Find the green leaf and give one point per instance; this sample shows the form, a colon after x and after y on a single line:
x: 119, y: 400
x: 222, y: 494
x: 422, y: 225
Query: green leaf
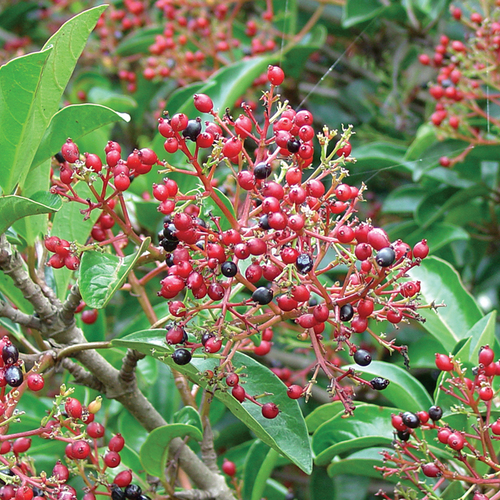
x: 403, y: 199
x: 14, y: 207
x: 154, y: 452
x: 287, y: 433
x: 189, y: 416
x: 111, y: 99
x: 356, y: 12
x: 371, y: 426
x: 438, y: 235
x: 22, y: 123
x: 481, y: 334
x: 101, y: 275
x: 74, y: 121
x: 258, y: 467
x: 362, y: 463
x: 377, y: 155
x: 404, y: 391
x: 323, y: 413
x: 441, y: 283
x: 31, y: 88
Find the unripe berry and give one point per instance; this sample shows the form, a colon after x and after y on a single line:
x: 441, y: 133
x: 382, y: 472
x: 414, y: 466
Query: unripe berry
x: 229, y: 468
x: 275, y: 75
x: 116, y: 443
x: 270, y: 410
x: 443, y: 362
x: 203, y: 103
x: 70, y: 151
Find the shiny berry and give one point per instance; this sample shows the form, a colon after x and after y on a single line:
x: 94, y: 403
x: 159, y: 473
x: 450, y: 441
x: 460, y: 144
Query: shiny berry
x: 203, y: 103
x: 443, y: 362
x: 346, y: 312
x: 456, y: 441
x: 35, y: 382
x: 123, y: 478
x: 304, y: 263
x: 133, y: 491
x: 379, y: 383
x: 239, y: 393
x: 116, y: 443
x: 270, y: 410
x: 263, y: 295
x: 410, y: 419
x: 112, y: 459
x: 13, y: 376
x: 385, y: 257
x: 229, y: 269
x: 229, y: 468
x: 435, y: 413
x: 181, y: 356
x: 486, y: 355
x: 362, y: 357
x: 294, y: 391
x: 431, y: 470
x: 275, y: 75
x: 262, y: 170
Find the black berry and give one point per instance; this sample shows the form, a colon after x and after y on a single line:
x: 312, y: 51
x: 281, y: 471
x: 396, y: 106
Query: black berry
x: 14, y: 376
x: 169, y: 232
x: 117, y: 493
x: 264, y: 222
x: 410, y: 419
x: 362, y: 357
x: 10, y: 354
x: 169, y: 246
x: 206, y: 336
x: 304, y: 263
x: 379, y: 383
x: 262, y: 295
x: 293, y: 145
x: 181, y: 356
x: 262, y: 170
x: 403, y: 435
x: 133, y: 491
x: 229, y: 269
x: 169, y: 260
x: 346, y: 312
x: 385, y: 257
x: 193, y: 129
x: 435, y: 412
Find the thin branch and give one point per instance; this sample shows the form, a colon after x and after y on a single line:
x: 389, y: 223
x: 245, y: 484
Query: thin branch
x: 16, y: 316
x: 82, y: 376
x: 129, y: 363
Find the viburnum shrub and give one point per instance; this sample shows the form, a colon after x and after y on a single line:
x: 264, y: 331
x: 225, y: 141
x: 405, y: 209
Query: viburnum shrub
x: 251, y: 254
x: 456, y: 443
x: 467, y: 81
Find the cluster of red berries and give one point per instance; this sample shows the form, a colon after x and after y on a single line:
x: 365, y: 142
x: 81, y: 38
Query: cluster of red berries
x: 287, y: 221
x: 76, y: 426
x: 281, y: 226
x: 473, y: 395
x: 461, y: 82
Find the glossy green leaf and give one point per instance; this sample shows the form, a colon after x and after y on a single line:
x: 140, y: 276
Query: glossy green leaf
x: 31, y: 89
x: 481, y: 334
x: 287, y: 433
x: 371, y: 426
x: 403, y: 199
x: 22, y: 122
x: 74, y: 121
x: 111, y: 99
x: 438, y: 235
x: 404, y: 391
x: 258, y: 467
x: 154, y: 452
x: 14, y: 207
x: 189, y: 416
x: 356, y: 12
x: 361, y: 463
x: 323, y: 413
x: 101, y: 275
x: 377, y: 155
x: 441, y: 283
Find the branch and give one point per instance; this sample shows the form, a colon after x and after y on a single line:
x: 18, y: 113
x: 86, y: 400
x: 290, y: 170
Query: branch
x: 129, y: 363
x: 16, y: 316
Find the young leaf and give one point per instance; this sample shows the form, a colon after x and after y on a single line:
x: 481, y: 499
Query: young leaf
x: 441, y: 283
x: 482, y: 333
x: 154, y: 452
x: 287, y: 433
x: 14, y: 207
x: 101, y: 275
x: 189, y: 416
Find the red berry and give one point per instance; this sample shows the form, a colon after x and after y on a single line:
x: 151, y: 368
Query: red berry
x: 456, y: 441
x: 123, y: 479
x: 365, y: 307
x: 229, y: 468
x: 232, y: 147
x: 122, y: 182
x: 397, y: 423
x: 486, y: 393
x: 294, y: 392
x: 486, y: 355
x: 112, y: 459
x: 93, y: 162
x: 89, y: 316
x: 95, y: 430
x: 213, y: 345
x: 263, y: 348
x: 394, y: 316
x: 24, y: 493
x: 61, y: 471
x: 179, y: 122
x: 232, y: 379
x: 275, y: 75
x: 431, y: 470
x: 203, y: 103
x: 239, y: 393
x: 80, y: 449
x: 73, y: 408
x: 35, y: 382
x: 21, y: 445
x: 378, y: 238
x: 70, y: 151
x: 270, y: 410
x: 443, y: 362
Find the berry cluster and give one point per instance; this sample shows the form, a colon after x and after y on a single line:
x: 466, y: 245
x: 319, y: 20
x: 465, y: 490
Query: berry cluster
x: 260, y: 251
x: 70, y: 422
x: 465, y: 83
x: 469, y: 447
